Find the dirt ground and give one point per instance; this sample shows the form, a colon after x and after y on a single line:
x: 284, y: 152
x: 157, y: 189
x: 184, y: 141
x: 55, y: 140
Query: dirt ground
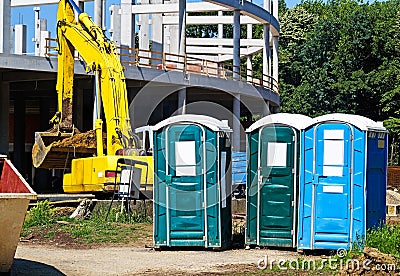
x: 126, y: 260
x: 63, y: 255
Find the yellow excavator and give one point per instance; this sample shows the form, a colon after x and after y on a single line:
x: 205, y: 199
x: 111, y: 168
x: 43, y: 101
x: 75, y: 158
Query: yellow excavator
x: 92, y: 156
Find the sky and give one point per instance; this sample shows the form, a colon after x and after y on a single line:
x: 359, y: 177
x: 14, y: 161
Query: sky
x: 26, y: 15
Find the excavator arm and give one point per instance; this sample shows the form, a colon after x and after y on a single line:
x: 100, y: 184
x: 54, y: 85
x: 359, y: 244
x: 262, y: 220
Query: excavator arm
x: 91, y: 169
x: 65, y: 73
x: 102, y: 60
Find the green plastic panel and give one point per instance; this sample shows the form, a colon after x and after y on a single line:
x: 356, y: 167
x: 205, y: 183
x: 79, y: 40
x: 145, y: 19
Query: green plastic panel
x: 188, y: 207
x: 275, y: 213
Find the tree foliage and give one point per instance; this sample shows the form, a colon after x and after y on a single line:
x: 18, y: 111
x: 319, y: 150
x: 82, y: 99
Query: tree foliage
x: 335, y: 56
x: 342, y: 56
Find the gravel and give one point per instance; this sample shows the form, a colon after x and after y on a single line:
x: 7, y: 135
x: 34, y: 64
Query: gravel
x: 47, y: 260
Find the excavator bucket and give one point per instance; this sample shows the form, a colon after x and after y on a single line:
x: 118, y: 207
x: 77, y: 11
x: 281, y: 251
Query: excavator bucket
x: 55, y: 150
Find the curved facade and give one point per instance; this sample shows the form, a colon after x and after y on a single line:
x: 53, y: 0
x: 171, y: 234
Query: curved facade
x: 167, y: 72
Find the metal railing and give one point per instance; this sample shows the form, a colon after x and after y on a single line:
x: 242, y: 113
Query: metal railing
x: 184, y: 63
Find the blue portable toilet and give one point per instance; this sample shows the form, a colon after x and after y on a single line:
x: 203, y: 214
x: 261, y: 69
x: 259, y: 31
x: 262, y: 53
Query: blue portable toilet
x: 273, y: 157
x: 239, y: 173
x: 192, y: 182
x: 343, y: 181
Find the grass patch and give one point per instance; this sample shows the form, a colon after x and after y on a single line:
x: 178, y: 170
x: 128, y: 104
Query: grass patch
x: 386, y: 239
x: 93, y: 232
x: 115, y: 215
x: 43, y: 223
x: 40, y: 215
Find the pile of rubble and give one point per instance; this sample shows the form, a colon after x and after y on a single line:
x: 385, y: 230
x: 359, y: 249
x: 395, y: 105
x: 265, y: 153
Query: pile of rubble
x: 372, y: 262
x: 392, y: 197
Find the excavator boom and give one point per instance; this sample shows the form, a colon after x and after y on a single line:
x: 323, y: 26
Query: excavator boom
x: 101, y: 58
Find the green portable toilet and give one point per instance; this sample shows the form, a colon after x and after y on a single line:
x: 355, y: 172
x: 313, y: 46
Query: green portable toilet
x: 273, y: 154
x: 192, y: 182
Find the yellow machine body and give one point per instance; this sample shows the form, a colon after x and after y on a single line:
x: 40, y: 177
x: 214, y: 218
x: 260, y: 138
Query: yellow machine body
x: 89, y: 174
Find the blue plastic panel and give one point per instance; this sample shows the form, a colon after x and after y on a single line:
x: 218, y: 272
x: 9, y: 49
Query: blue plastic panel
x: 376, y: 178
x: 332, y: 187
x: 239, y: 173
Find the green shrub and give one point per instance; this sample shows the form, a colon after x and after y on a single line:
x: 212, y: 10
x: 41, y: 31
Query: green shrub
x: 386, y: 239
x: 116, y: 215
x: 40, y: 215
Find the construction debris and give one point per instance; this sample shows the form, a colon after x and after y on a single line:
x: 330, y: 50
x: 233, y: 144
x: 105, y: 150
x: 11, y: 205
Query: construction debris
x: 83, y: 210
x: 392, y: 197
x: 372, y: 262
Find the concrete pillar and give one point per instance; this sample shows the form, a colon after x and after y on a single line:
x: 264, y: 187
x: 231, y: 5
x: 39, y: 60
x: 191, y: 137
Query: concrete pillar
x: 19, y: 134
x: 4, y: 117
x: 20, y: 39
x: 43, y: 36
x: 182, y: 101
x: 36, y: 39
x: 236, y: 123
x: 171, y: 33
x: 236, y: 44
x: 266, y: 49
x: 249, y: 72
x: 220, y: 35
x: 182, y: 27
x: 220, y: 27
x: 267, y: 5
x: 97, y: 6
x: 127, y: 24
x: 171, y: 39
x: 275, y: 74
x: 266, y: 55
x: 5, y: 31
x: 11, y: 41
x: 275, y: 8
x: 115, y: 24
x: 103, y: 15
x: 144, y: 35
x: 157, y: 34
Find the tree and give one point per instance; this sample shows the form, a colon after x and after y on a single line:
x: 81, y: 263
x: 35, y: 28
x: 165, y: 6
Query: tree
x: 295, y: 24
x: 342, y: 56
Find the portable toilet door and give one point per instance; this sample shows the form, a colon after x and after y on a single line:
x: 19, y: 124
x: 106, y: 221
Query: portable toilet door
x: 377, y: 161
x: 273, y: 161
x: 333, y: 187
x: 191, y: 184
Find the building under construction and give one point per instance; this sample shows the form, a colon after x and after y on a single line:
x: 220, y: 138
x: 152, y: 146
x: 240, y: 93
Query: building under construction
x: 167, y: 72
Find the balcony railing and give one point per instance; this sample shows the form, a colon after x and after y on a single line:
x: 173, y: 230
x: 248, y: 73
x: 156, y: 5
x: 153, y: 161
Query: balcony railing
x: 185, y: 64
